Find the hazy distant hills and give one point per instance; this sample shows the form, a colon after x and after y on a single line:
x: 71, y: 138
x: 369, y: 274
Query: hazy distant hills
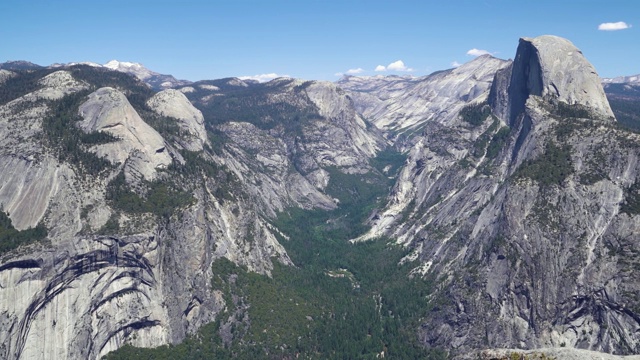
x: 155, y: 80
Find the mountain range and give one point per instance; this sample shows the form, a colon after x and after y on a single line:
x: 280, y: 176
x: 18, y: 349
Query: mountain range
x: 491, y: 206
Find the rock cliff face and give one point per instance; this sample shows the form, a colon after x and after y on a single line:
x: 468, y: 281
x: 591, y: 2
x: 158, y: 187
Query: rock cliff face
x: 108, y: 110
x: 520, y: 196
x: 82, y: 294
x: 129, y: 246
x: 553, y: 68
x: 174, y: 104
x: 529, y: 225
x: 306, y: 125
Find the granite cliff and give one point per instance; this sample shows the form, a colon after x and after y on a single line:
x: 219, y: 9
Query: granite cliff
x: 511, y: 220
x: 530, y: 225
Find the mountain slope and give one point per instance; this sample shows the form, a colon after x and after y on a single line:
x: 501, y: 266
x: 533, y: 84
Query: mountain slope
x: 156, y: 80
x: 137, y: 200
x: 405, y: 105
x: 216, y: 216
x: 531, y: 226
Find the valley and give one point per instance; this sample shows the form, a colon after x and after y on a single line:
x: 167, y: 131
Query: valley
x: 490, y: 206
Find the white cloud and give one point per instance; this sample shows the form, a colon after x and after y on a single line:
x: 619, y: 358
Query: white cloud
x: 262, y: 77
x: 612, y: 26
x: 455, y: 64
x: 398, y: 66
x: 355, y: 71
x: 477, y: 52
x: 380, y: 68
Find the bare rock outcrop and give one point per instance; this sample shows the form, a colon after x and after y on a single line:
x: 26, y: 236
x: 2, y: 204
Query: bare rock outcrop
x: 108, y: 110
x: 173, y: 103
x: 403, y: 105
x: 552, y: 67
x: 526, y: 221
x: 4, y: 75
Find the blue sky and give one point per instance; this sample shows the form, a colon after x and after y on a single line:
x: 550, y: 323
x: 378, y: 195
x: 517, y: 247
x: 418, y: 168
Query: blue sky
x: 310, y: 39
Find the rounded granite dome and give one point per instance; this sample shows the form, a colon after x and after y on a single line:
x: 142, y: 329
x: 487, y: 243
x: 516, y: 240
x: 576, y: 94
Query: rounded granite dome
x: 555, y: 67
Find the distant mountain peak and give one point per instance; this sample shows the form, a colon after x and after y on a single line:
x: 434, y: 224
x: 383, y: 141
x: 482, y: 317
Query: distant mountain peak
x: 115, y: 63
x: 633, y: 79
x: 19, y: 65
x: 132, y: 68
x: 155, y: 80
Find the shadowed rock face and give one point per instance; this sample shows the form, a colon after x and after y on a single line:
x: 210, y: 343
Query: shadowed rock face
x: 89, y: 288
x: 525, y: 257
x: 550, y: 66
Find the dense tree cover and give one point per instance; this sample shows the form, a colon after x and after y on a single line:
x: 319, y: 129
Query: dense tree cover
x: 136, y: 91
x: 627, y: 112
x: 389, y: 157
x: 565, y: 110
x: 68, y: 141
x: 10, y: 238
x: 550, y: 168
x: 340, y: 301
x: 224, y: 182
x: 161, y: 198
x: 475, y: 114
x: 628, y: 91
x: 23, y: 83
x: 631, y: 204
x: 491, y: 141
x: 263, y: 105
x: 19, y: 65
x: 498, y: 140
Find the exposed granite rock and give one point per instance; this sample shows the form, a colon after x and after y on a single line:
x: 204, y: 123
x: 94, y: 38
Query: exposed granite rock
x: 58, y: 84
x: 79, y: 294
x: 403, y: 105
x: 521, y: 261
x: 174, y: 104
x: 526, y: 258
x: 108, y: 110
x: 550, y: 66
x: 263, y: 161
x: 341, y: 138
x: 4, y: 75
x: 545, y: 353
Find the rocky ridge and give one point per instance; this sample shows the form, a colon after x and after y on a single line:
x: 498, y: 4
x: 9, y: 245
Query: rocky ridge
x: 633, y: 79
x: 531, y: 212
x: 129, y: 246
x: 405, y: 105
x: 156, y: 80
x: 519, y: 198
x: 174, y: 104
x: 108, y: 110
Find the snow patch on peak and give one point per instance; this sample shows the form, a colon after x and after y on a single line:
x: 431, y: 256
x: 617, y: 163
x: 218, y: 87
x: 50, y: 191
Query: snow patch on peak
x: 207, y: 87
x: 633, y: 79
x: 156, y: 80
x: 132, y: 68
x: 116, y: 65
